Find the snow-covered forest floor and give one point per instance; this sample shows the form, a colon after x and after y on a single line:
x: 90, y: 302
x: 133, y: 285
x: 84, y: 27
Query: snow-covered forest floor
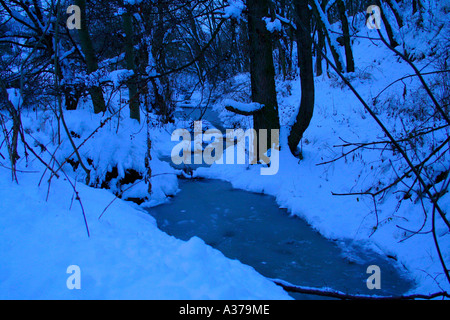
x: 43, y: 230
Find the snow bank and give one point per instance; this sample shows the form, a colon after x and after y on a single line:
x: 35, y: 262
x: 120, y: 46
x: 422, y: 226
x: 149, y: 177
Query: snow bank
x: 117, y: 147
x: 43, y: 231
x: 127, y: 256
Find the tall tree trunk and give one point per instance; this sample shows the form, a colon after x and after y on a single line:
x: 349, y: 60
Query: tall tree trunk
x: 347, y: 41
x: 262, y: 70
x: 162, y: 92
x: 304, y: 42
x: 319, y: 48
x: 91, y: 60
x: 135, y: 112
x: 323, y: 22
x: 320, y: 45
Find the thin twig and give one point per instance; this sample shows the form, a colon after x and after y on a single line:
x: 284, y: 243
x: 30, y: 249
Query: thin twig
x: 406, y: 77
x: 419, y: 75
x: 393, y: 140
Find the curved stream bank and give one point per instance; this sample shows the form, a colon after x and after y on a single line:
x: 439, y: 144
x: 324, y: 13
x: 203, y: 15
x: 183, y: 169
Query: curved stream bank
x: 251, y: 228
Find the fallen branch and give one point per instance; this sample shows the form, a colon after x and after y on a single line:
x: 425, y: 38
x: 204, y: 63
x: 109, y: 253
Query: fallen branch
x: 331, y: 293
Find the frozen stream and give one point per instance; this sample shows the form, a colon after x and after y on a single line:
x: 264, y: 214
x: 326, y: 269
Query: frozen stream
x: 251, y: 228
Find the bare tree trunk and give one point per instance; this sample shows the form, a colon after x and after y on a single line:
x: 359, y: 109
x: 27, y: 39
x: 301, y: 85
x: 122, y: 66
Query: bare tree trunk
x: 319, y: 48
x: 320, y: 45
x: 135, y: 112
x: 91, y: 60
x: 323, y: 22
x: 11, y: 143
x: 162, y: 102
x: 347, y: 41
x: 304, y: 43
x: 262, y: 69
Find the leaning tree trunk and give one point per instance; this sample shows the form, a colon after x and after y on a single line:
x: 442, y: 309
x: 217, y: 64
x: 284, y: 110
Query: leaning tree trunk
x: 387, y: 25
x: 304, y: 42
x: 262, y: 71
x: 135, y: 112
x: 393, y: 5
x: 323, y: 23
x: 91, y: 60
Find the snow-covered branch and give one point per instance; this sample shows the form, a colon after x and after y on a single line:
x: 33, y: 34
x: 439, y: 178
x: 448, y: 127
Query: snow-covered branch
x: 331, y: 293
x: 245, y: 109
